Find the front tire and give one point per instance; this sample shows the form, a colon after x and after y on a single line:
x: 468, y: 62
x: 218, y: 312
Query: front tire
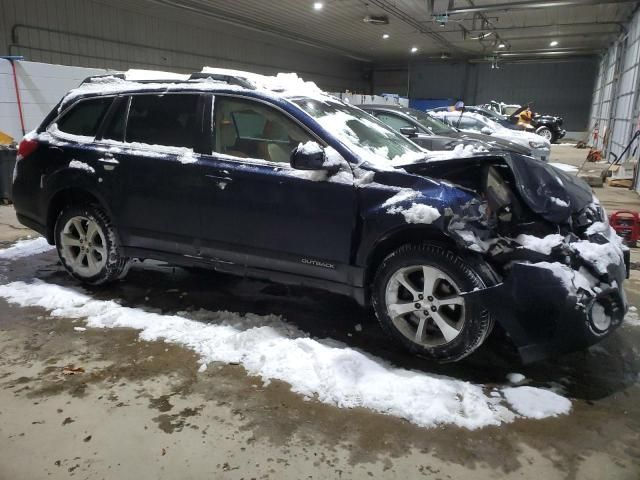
x: 418, y: 302
x: 87, y: 245
x: 546, y: 132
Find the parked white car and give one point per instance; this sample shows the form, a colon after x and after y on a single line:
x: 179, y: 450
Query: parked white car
x: 473, y: 122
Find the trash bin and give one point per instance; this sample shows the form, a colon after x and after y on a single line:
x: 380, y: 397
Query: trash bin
x: 7, y: 162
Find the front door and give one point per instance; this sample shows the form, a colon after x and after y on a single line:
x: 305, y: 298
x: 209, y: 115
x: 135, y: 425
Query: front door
x: 260, y: 211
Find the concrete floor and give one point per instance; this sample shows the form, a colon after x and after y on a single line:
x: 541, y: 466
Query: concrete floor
x: 142, y: 410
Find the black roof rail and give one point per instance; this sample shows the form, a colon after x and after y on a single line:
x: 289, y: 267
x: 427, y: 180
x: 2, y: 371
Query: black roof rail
x: 230, y: 79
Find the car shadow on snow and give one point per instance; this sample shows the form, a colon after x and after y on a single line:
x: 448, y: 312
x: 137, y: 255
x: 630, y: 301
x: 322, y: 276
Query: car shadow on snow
x: 598, y: 372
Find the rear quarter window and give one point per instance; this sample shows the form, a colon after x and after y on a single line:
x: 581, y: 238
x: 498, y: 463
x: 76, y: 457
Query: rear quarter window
x: 172, y: 119
x: 85, y: 117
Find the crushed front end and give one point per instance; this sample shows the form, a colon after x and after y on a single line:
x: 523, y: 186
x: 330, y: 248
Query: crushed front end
x: 561, y: 267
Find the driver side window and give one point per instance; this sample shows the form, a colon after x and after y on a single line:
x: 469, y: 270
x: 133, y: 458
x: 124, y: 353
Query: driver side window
x: 393, y: 121
x: 249, y: 129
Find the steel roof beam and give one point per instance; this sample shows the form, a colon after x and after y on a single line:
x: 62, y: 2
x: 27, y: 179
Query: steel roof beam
x: 527, y: 5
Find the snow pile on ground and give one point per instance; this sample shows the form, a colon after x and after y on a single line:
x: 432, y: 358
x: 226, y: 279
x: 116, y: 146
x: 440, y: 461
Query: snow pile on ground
x: 25, y: 248
x: 516, y: 377
x: 272, y: 349
x: 631, y: 318
x: 564, y: 167
x: 536, y: 403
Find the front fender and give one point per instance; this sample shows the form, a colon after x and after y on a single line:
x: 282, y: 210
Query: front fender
x: 426, y: 212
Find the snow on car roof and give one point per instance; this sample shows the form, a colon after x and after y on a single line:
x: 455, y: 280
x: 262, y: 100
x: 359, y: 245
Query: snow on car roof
x: 282, y: 84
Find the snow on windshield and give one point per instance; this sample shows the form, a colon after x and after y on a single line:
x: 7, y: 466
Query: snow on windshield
x: 362, y: 133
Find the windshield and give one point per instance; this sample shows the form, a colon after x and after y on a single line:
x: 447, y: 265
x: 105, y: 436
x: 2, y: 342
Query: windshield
x: 362, y: 133
x: 491, y: 114
x: 437, y: 127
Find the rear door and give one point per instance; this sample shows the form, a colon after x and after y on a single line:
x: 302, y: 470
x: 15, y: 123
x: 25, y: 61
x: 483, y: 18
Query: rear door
x: 258, y: 210
x: 68, y: 151
x: 151, y: 147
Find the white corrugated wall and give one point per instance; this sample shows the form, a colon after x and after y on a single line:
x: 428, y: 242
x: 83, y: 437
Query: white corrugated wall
x: 615, y: 110
x: 120, y: 34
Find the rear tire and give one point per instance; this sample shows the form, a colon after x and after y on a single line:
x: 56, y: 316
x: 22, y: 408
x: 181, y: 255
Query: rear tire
x: 87, y: 245
x: 416, y: 297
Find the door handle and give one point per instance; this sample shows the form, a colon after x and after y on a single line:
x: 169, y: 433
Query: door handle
x: 219, y: 178
x: 108, y: 162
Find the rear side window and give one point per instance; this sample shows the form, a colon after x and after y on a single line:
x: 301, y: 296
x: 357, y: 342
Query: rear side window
x: 85, y: 117
x: 171, y: 120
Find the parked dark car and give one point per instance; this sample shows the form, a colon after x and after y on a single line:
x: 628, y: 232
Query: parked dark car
x: 271, y: 178
x: 434, y: 134
x: 548, y: 126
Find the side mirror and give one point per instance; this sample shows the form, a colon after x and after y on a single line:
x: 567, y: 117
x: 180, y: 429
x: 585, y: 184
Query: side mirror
x: 409, y: 131
x: 486, y: 131
x: 310, y: 156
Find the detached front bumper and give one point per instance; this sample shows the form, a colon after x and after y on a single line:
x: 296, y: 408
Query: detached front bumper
x: 544, y: 316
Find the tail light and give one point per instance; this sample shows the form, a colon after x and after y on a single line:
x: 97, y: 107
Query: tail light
x: 26, y: 148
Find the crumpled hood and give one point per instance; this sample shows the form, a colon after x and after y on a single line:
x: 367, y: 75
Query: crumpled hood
x: 553, y: 194
x: 547, y: 191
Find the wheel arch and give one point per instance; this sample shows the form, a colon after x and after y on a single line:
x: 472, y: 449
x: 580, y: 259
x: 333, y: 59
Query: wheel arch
x: 394, y: 240
x: 65, y: 197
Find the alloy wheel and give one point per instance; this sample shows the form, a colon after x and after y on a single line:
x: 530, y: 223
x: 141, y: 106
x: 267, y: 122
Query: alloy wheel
x: 546, y: 133
x: 425, y: 305
x: 84, y: 246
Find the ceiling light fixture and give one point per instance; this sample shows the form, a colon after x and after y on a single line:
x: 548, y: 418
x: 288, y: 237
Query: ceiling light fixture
x: 414, y: 49
x: 385, y: 35
x: 554, y: 43
x: 318, y: 5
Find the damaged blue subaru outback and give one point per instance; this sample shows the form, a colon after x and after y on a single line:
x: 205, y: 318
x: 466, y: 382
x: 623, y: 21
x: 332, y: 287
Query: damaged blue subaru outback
x: 269, y: 177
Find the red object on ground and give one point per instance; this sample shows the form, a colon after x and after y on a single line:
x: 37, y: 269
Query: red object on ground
x: 626, y: 223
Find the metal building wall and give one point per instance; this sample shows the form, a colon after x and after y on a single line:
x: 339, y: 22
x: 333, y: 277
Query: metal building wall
x: 143, y: 34
x: 615, y: 110
x: 555, y: 87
